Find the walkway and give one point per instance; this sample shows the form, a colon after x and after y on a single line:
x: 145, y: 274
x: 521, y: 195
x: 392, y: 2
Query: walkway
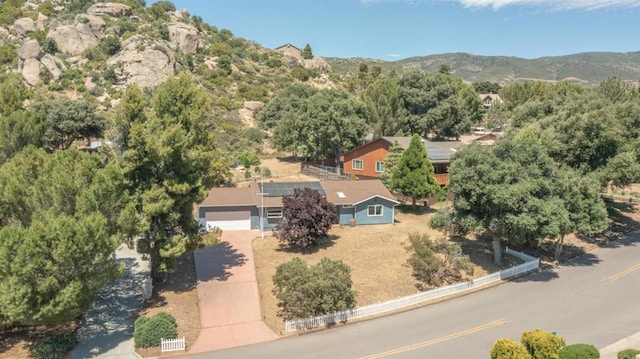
x: 611, y: 351
x: 106, y: 330
x: 228, y: 295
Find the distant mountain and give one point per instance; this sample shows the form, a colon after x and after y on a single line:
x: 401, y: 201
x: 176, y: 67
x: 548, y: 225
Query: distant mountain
x: 588, y: 67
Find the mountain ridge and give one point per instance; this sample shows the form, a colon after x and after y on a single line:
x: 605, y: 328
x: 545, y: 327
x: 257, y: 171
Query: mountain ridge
x: 585, y: 67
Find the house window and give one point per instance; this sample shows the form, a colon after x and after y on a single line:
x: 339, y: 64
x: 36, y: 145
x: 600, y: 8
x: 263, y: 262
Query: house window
x: 347, y: 206
x: 357, y: 164
x: 374, y: 211
x: 274, y: 213
x: 379, y: 166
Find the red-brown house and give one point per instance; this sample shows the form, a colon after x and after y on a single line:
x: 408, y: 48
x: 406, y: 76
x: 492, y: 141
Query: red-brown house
x: 368, y: 159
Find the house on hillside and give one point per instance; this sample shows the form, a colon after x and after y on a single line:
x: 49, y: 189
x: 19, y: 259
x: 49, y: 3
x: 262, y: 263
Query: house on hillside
x: 489, y: 99
x: 367, y: 161
x: 289, y: 50
x: 260, y: 205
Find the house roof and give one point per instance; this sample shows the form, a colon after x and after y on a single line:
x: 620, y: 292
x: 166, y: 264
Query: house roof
x: 494, y: 97
x: 229, y: 196
x: 437, y: 151
x: 336, y: 192
x: 285, y: 45
x: 354, y: 192
x: 279, y: 189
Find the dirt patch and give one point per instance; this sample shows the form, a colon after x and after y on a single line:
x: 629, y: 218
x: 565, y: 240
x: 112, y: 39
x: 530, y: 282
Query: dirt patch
x: 376, y: 255
x: 285, y: 169
x: 177, y: 295
x: 17, y: 343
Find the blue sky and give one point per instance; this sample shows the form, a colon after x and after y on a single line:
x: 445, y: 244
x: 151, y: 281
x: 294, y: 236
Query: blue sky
x: 397, y: 29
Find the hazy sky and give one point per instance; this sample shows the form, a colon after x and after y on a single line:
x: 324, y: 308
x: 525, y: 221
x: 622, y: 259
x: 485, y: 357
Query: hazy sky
x: 396, y: 29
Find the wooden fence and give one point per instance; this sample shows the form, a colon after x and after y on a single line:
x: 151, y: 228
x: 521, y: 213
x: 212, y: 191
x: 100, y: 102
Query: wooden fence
x: 531, y: 264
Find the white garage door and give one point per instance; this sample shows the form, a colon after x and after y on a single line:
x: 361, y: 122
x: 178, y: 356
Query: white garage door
x: 228, y: 220
x: 230, y: 225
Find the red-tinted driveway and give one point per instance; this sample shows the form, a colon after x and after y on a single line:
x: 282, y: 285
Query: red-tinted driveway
x: 228, y: 295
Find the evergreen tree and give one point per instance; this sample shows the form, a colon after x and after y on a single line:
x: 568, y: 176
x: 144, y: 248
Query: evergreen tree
x: 307, y: 53
x: 413, y: 176
x: 60, y: 220
x: 169, y: 164
x: 392, y: 159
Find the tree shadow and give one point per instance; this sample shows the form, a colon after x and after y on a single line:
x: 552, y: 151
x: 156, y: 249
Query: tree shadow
x: 322, y: 244
x: 545, y: 275
x: 182, y: 279
x: 214, y: 262
x: 109, y: 322
x: 480, y: 253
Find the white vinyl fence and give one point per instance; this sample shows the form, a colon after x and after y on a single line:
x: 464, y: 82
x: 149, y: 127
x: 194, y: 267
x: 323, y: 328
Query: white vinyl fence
x: 172, y: 345
x: 531, y: 264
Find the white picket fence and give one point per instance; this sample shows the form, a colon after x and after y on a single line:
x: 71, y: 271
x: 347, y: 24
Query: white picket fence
x: 531, y: 264
x: 172, y: 345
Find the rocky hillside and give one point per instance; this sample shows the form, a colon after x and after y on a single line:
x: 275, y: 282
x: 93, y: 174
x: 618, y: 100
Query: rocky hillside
x: 94, y: 50
x: 588, y: 67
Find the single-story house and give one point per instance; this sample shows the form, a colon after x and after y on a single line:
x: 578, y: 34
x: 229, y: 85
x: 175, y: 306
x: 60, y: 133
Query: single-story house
x: 289, y: 50
x: 367, y: 161
x: 355, y: 202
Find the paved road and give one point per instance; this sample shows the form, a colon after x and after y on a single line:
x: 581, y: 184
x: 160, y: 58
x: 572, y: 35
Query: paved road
x: 595, y: 300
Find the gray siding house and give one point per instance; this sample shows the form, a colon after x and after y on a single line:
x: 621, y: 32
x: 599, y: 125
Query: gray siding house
x: 356, y: 203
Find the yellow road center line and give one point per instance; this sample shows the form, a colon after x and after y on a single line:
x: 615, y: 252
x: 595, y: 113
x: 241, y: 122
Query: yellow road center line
x: 623, y: 273
x: 435, y: 341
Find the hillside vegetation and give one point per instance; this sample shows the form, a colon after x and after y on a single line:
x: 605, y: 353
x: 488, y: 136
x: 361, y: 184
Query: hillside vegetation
x: 116, y: 118
x: 589, y: 67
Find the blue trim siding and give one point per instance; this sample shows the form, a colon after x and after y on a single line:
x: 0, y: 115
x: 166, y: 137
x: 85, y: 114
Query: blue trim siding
x: 255, y: 218
x: 361, y: 210
x: 345, y: 214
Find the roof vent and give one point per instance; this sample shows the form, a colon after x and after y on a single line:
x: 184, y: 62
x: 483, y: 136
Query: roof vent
x: 341, y: 195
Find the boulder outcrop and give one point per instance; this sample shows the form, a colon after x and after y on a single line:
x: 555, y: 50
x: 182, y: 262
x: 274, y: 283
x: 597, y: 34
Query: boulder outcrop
x: 74, y: 39
x: 29, y: 50
x: 110, y: 9
x: 142, y: 62
x: 24, y: 25
x: 185, y: 38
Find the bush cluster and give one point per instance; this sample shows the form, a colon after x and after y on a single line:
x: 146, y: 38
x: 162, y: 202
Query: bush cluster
x: 628, y: 354
x: 305, y: 291
x: 55, y: 347
x: 579, y: 351
x: 150, y: 330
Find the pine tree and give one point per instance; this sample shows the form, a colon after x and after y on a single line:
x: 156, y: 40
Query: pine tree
x: 392, y: 159
x: 307, y: 53
x: 413, y: 176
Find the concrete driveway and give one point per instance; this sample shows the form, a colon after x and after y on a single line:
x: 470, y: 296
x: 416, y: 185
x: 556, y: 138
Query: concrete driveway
x: 228, y: 295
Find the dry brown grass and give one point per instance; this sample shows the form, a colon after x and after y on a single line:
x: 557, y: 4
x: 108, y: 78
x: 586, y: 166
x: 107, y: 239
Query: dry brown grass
x: 177, y: 295
x: 376, y: 255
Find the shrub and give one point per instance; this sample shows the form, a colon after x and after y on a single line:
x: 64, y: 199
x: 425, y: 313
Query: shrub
x: 49, y: 46
x: 436, y: 262
x: 8, y: 54
x: 579, y: 351
x: 304, y: 291
x: 255, y: 134
x: 628, y: 354
x: 542, y: 345
x: 150, y: 330
x: 55, y: 347
x: 110, y: 45
x: 508, y: 349
x: 266, y: 172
